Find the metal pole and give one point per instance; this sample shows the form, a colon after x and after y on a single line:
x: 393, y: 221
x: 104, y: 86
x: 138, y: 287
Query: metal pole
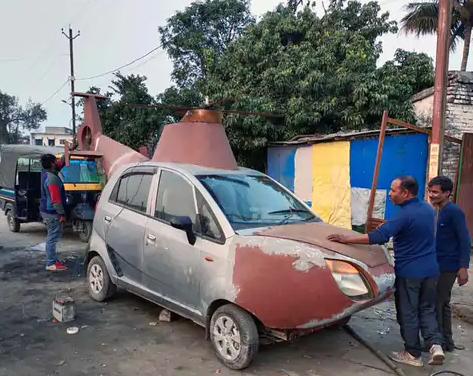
x: 71, y: 38
x: 374, y: 185
x: 439, y: 105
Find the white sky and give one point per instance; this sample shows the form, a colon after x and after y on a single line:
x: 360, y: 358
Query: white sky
x: 34, y: 59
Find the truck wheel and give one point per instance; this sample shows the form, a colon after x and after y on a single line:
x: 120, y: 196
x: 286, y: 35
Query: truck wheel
x: 234, y: 336
x: 13, y: 224
x: 86, y: 231
x: 100, y: 285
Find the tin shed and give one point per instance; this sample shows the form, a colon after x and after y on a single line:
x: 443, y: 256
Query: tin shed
x: 333, y: 173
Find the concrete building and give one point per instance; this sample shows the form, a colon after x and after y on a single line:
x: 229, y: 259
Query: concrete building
x: 459, y: 115
x: 52, y: 136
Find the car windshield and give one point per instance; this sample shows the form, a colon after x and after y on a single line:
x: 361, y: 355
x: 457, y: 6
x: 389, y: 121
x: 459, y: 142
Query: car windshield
x: 250, y: 201
x: 80, y: 171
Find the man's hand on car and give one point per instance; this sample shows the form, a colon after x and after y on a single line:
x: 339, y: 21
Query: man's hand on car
x: 338, y: 238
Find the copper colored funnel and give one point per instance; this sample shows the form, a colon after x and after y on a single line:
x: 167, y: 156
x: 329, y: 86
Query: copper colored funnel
x: 90, y: 137
x: 199, y: 139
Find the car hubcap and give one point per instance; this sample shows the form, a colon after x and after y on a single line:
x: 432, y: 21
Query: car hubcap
x: 96, y: 278
x: 227, y: 337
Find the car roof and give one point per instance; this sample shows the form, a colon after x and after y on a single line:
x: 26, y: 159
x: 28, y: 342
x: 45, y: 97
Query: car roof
x: 197, y: 170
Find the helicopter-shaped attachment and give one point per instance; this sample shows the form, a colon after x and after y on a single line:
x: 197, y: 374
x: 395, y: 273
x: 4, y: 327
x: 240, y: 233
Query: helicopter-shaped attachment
x: 198, y: 139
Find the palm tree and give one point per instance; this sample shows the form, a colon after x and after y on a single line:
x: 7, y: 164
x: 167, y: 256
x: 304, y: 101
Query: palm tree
x: 422, y: 19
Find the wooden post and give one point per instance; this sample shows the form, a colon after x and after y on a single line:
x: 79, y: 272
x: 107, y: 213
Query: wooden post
x: 374, y: 185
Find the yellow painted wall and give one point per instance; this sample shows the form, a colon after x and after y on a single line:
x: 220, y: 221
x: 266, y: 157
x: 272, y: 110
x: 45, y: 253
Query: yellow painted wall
x: 331, y: 182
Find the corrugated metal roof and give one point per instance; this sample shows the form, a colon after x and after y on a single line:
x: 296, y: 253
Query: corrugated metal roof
x: 340, y: 136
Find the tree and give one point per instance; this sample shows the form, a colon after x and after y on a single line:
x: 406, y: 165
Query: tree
x: 319, y: 72
x: 14, y: 118
x: 422, y: 19
x: 138, y: 126
x: 195, y: 37
x: 132, y: 126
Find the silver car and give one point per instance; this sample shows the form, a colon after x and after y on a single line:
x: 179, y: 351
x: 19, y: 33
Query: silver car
x: 234, y: 251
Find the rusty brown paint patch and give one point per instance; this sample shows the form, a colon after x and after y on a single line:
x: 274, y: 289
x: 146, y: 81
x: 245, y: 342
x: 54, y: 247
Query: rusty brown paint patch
x: 316, y: 234
x: 281, y: 296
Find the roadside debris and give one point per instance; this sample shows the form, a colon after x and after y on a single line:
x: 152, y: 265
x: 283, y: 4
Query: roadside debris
x: 64, y: 309
x: 167, y: 316
x: 73, y: 330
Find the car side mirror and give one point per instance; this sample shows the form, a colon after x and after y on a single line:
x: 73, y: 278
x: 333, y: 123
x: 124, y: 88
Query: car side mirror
x: 185, y: 224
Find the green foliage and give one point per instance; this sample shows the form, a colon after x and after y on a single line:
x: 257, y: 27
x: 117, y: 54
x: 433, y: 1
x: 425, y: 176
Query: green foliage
x: 132, y: 126
x: 137, y: 126
x: 318, y: 71
x: 14, y: 118
x: 195, y: 37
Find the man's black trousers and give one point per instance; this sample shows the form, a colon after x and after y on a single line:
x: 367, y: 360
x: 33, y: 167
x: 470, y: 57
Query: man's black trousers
x: 416, y: 301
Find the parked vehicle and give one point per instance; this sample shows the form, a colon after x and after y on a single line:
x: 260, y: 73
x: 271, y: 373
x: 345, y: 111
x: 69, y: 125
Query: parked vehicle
x: 20, y: 187
x: 234, y: 251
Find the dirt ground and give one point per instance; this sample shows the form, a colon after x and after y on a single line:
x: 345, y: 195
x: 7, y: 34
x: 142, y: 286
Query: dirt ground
x: 124, y: 337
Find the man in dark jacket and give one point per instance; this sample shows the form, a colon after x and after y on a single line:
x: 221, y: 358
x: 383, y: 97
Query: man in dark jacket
x: 453, y: 253
x: 53, y: 201
x: 416, y: 270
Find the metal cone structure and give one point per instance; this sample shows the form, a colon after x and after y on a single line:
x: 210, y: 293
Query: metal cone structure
x: 199, y: 139
x: 90, y: 137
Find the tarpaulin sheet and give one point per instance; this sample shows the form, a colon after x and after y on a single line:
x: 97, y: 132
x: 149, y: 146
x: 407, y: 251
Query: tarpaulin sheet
x: 359, y: 205
x: 331, y: 182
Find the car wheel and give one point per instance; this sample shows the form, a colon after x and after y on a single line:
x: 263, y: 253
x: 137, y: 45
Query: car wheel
x: 86, y: 231
x: 13, y: 224
x: 234, y: 336
x: 100, y: 285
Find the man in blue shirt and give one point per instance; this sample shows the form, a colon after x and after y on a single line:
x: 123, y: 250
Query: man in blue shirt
x: 453, y: 253
x: 416, y: 268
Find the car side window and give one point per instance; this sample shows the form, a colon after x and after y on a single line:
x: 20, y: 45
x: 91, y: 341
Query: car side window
x: 207, y: 224
x: 175, y: 197
x: 132, y: 191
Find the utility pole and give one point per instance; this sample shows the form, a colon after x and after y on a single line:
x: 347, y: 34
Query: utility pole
x: 71, y: 38
x: 440, y: 87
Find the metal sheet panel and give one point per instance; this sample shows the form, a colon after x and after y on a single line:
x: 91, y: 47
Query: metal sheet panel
x: 402, y: 155
x: 281, y: 165
x: 303, y: 174
x: 465, y: 181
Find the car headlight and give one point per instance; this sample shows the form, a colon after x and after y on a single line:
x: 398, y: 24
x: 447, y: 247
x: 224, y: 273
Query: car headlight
x: 348, y: 278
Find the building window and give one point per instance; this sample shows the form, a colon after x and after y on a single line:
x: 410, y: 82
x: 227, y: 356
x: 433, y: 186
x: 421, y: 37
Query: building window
x: 38, y: 142
x: 50, y: 142
x: 62, y: 141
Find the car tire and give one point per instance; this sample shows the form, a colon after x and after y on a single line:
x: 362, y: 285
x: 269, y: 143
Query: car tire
x: 234, y: 336
x: 86, y: 232
x: 100, y: 285
x: 13, y: 224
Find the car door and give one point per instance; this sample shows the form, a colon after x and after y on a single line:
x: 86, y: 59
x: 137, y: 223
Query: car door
x: 171, y: 262
x: 125, y: 217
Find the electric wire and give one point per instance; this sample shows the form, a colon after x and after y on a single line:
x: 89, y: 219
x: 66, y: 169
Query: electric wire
x: 121, y: 67
x: 55, y: 93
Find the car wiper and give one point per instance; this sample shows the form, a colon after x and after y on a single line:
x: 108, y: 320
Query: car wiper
x: 290, y: 211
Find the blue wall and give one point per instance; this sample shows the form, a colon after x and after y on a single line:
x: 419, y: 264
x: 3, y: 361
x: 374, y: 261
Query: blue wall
x: 402, y: 155
x: 281, y: 165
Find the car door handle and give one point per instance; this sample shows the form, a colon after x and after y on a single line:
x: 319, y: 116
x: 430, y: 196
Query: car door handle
x: 107, y: 219
x: 151, y: 237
